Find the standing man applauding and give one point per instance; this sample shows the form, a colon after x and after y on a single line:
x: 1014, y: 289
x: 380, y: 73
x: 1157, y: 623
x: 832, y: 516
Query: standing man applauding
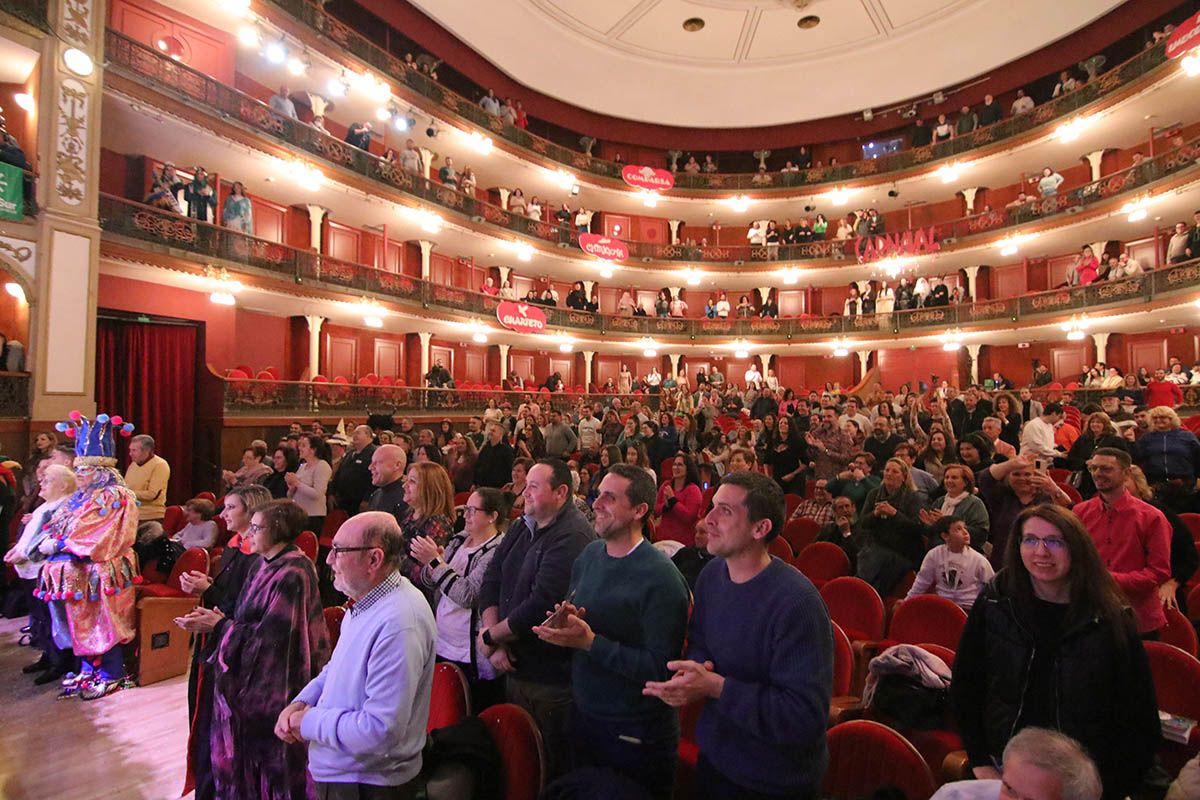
x: 626, y: 620
x: 760, y: 656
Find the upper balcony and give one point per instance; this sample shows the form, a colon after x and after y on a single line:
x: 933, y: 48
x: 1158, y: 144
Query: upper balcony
x: 1117, y: 82
x: 955, y: 239
x: 180, y: 238
x: 33, y: 12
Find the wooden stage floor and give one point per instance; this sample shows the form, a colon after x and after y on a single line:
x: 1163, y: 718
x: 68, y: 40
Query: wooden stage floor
x: 127, y: 746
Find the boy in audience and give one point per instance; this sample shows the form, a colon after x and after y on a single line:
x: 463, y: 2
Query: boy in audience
x: 200, y: 530
x: 953, y: 569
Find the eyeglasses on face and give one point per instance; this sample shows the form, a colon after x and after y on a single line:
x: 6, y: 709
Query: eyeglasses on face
x: 1053, y: 544
x: 336, y: 550
x: 473, y: 510
x: 254, y: 527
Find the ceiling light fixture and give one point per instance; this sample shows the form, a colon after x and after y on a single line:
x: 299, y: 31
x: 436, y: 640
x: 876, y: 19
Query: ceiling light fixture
x: 841, y: 195
x: 224, y: 287
x: 338, y: 87
x: 1137, y: 210
x: 478, y: 142
x: 239, y: 7
x: 693, y: 24
x: 1076, y: 328
x: 841, y: 347
x: 24, y: 100
x: 1009, y: 245
x: 249, y: 35
x: 693, y: 276
x: 78, y: 62
x: 809, y: 22
x: 952, y: 340
x: 429, y: 221
x: 564, y: 179
x: 739, y: 203
x: 1191, y: 64
x: 1070, y: 131
x: 649, y: 198
x: 298, y: 65
x: 741, y: 348
x: 275, y: 51
x: 309, y: 177
x: 16, y: 290
x: 949, y: 172
x: 790, y: 275
x: 649, y: 347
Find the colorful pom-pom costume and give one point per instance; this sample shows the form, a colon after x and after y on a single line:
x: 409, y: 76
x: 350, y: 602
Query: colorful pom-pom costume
x: 89, y: 577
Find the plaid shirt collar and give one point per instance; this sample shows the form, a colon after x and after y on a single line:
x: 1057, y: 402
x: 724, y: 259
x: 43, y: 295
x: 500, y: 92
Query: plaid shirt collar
x: 385, y: 587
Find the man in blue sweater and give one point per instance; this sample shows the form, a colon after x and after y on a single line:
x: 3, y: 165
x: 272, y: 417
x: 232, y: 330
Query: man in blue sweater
x: 760, y: 655
x: 364, y: 715
x: 626, y: 620
x: 528, y: 575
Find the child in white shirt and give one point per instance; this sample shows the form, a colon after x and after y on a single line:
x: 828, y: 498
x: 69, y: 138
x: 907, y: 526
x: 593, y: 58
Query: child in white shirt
x: 953, y: 570
x: 200, y: 530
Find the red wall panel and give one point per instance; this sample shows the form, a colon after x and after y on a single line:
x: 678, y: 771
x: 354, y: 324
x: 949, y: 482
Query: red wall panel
x: 341, y: 241
x: 205, y: 48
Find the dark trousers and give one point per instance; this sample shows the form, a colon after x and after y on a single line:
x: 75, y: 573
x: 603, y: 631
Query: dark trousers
x: 550, y: 707
x: 643, y: 750
x: 365, y: 791
x: 42, y: 637
x: 712, y: 785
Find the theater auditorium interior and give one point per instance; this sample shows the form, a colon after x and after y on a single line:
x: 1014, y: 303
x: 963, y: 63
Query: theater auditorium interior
x: 631, y: 399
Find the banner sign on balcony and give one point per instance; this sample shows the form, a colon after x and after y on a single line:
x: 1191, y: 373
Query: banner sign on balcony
x: 656, y: 180
x: 521, y: 317
x: 1185, y: 37
x: 12, y: 197
x: 603, y: 247
x: 907, y: 244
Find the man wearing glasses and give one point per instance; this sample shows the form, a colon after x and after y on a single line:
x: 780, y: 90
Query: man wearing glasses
x: 1132, y: 537
x: 364, y: 715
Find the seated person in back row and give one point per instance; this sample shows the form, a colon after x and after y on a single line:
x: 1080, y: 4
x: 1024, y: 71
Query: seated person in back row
x: 953, y: 569
x: 200, y: 530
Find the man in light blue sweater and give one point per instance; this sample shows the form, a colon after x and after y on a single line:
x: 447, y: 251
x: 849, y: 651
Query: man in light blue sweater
x: 364, y: 716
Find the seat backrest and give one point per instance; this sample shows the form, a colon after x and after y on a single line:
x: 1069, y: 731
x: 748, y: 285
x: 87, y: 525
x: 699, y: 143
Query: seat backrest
x: 333, y: 621
x: 173, y: 520
x: 1071, y: 492
x: 1193, y: 523
x: 865, y: 756
x: 944, y: 653
x: 522, y: 755
x: 1179, y: 632
x: 790, y: 502
x: 194, y: 558
x: 800, y: 532
x: 333, y: 521
x: 461, y: 498
x: 843, y: 662
x: 856, y: 606
x: 450, y: 698
x: 307, y: 542
x: 209, y: 496
x: 1193, y: 603
x: 781, y: 549
x: 927, y: 618
x: 1176, y: 675
x: 821, y: 562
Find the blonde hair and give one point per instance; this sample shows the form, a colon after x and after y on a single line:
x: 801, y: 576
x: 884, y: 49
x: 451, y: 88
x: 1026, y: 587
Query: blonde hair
x: 1165, y: 412
x: 435, y: 492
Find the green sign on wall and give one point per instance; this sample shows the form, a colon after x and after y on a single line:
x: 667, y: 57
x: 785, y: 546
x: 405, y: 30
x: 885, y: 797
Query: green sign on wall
x: 12, y: 198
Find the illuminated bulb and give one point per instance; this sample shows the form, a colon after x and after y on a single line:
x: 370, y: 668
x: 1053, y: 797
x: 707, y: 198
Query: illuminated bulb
x: 1137, y: 215
x: 248, y: 35
x: 839, y: 197
x: 479, y: 143
x: 949, y: 172
x: 566, y: 347
x: 1070, y: 131
x: 739, y: 203
x: 296, y: 66
x: 564, y: 179
x: 275, y: 52
x: 372, y: 321
x: 649, y: 352
x: 222, y: 298
x: 382, y: 114
x: 950, y: 347
x: 1191, y: 64
x: 337, y: 87
x: 400, y: 122
x: 78, y: 62
x: 525, y: 252
x: 23, y: 100
x: 380, y: 92
x: 1008, y: 250
x: 1075, y: 335
x: 606, y: 273
x: 479, y: 338
x: 741, y: 354
x: 693, y: 277
x: 649, y: 198
x: 841, y: 352
x: 15, y: 290
x: 791, y: 276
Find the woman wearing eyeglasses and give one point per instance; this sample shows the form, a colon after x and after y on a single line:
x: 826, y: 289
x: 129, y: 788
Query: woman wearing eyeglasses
x: 221, y: 592
x: 274, y: 643
x: 455, y: 573
x: 1051, y: 643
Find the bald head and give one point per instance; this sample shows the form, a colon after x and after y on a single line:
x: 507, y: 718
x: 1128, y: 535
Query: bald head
x: 366, y: 549
x: 387, y: 464
x: 362, y: 437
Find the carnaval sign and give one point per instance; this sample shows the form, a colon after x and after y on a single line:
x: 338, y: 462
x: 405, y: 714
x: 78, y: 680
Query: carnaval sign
x: 1184, y: 38
x: 909, y: 243
x: 603, y: 247
x: 521, y: 317
x: 655, y: 180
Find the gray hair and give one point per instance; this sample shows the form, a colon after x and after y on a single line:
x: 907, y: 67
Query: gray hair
x: 381, y: 530
x: 996, y: 420
x: 145, y: 440
x: 1059, y: 754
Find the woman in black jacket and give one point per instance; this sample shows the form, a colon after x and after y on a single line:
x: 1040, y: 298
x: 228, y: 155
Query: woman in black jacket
x: 1098, y: 432
x: 889, y: 530
x: 1051, y: 643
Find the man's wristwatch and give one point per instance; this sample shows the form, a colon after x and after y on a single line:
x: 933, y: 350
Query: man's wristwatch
x: 434, y: 563
x: 487, y: 637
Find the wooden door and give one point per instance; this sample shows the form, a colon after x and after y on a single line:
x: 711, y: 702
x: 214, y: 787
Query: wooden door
x: 341, y: 242
x: 388, y: 358
x: 603, y: 369
x: 1152, y: 355
x: 446, y: 354
x: 1068, y: 363
x: 565, y: 368
x: 475, y: 366
x: 521, y: 365
x: 341, y: 357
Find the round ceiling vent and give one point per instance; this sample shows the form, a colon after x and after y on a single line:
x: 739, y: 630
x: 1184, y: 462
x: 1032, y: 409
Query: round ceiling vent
x: 808, y: 23
x: 693, y: 24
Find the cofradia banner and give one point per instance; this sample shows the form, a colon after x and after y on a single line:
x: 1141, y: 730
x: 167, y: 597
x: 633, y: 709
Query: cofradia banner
x: 655, y: 180
x: 12, y: 199
x: 521, y: 317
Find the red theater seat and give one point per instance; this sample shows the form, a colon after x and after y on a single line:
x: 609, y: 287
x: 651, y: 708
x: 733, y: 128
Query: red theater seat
x: 801, y: 532
x: 522, y: 755
x: 821, y: 562
x: 162, y: 649
x: 307, y: 542
x: 927, y: 618
x: 856, y: 607
x: 333, y: 621
x: 173, y: 520
x: 790, y: 503
x: 333, y: 521
x: 450, y: 697
x: 781, y: 549
x: 865, y: 756
x: 1176, y: 675
x: 1179, y: 632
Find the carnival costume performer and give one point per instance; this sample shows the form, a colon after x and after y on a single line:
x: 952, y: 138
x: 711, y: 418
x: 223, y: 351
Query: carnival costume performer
x: 88, y: 579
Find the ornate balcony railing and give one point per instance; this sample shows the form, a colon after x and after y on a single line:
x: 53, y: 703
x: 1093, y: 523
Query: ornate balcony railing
x: 343, y: 36
x: 141, y: 222
x: 35, y: 12
x: 124, y: 53
x: 14, y: 394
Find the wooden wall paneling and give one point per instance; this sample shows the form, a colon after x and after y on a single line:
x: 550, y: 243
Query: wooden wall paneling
x: 603, y: 369
x: 1067, y: 363
x: 341, y: 357
x: 565, y: 367
x: 521, y: 365
x: 611, y: 221
x: 341, y: 241
x: 1151, y: 354
x: 446, y: 354
x: 389, y: 358
x: 210, y: 50
x: 476, y: 365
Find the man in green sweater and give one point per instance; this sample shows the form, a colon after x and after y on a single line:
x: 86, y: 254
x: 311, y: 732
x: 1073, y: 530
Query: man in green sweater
x: 625, y: 617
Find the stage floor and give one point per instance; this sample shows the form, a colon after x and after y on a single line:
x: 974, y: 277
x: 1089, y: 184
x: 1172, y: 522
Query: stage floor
x: 127, y: 746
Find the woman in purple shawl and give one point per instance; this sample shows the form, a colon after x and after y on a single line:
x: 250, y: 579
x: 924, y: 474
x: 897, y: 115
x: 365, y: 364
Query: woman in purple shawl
x: 274, y: 644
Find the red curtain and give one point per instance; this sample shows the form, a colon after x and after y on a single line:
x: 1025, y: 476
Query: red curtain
x: 146, y: 372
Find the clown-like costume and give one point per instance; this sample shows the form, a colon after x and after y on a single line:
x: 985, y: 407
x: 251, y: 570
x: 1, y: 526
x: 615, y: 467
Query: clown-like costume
x: 88, y: 579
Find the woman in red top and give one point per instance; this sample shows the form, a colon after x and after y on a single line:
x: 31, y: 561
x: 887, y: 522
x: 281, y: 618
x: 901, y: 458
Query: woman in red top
x: 1087, y: 267
x: 679, y: 502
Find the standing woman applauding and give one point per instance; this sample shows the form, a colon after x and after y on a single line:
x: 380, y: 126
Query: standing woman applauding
x: 430, y: 514
x: 273, y: 645
x: 308, y: 485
